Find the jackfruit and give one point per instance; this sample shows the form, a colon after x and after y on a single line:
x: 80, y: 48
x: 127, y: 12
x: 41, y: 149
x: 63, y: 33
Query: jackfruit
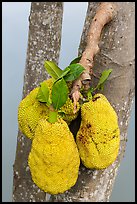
x: 98, y: 138
x: 54, y: 159
x: 66, y: 111
x: 30, y: 111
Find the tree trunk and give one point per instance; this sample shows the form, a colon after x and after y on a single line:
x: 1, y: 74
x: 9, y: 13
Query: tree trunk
x: 43, y: 44
x: 116, y: 52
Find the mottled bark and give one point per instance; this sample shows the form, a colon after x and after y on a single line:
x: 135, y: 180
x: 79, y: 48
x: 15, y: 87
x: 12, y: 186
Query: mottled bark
x: 116, y: 52
x: 43, y: 44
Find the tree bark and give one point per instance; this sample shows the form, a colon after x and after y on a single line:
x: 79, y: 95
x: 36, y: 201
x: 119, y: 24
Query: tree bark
x: 117, y: 51
x: 43, y: 44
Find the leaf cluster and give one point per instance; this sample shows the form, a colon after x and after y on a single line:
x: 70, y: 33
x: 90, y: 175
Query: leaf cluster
x: 60, y: 91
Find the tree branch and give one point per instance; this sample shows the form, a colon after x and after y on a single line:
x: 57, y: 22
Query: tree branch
x: 104, y: 14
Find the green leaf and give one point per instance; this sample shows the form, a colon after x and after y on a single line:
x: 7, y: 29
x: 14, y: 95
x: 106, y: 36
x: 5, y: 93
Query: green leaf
x: 52, y: 69
x: 104, y: 76
x: 59, y: 93
x: 75, y: 71
x: 64, y: 73
x: 43, y: 93
x: 101, y: 87
x: 76, y: 60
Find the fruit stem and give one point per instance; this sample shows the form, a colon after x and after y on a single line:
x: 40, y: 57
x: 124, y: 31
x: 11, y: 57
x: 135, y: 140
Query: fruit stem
x: 52, y: 115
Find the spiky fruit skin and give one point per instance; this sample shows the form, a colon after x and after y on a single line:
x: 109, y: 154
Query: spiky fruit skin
x: 98, y: 138
x: 54, y: 159
x: 67, y: 111
x: 30, y: 111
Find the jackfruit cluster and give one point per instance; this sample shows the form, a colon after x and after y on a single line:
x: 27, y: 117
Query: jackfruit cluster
x: 54, y: 159
x: 31, y: 111
x: 55, y: 156
x: 98, y: 138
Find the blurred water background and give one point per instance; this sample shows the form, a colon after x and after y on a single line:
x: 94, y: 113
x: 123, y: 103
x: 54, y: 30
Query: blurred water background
x: 15, y: 27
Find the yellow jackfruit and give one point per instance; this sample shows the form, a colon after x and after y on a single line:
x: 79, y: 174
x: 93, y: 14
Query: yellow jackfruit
x: 98, y: 138
x: 30, y: 111
x: 66, y: 111
x: 54, y: 159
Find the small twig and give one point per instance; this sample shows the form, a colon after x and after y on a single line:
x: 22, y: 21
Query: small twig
x: 104, y: 14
